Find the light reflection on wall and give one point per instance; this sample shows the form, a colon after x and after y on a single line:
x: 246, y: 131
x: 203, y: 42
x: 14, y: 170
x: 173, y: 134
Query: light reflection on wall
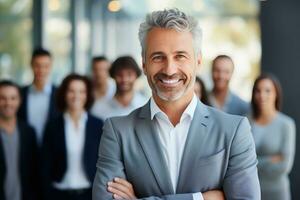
x: 58, y: 37
x: 15, y: 39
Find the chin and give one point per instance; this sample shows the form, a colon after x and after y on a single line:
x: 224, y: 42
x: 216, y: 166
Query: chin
x: 172, y: 97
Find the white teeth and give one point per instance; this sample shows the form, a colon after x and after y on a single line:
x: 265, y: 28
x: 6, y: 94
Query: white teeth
x: 170, y: 81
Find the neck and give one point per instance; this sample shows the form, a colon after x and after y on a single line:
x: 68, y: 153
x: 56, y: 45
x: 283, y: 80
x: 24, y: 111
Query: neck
x: 124, y: 98
x: 174, y: 109
x: 75, y: 115
x: 100, y: 89
x: 220, y: 95
x: 39, y: 85
x: 8, y: 124
x: 266, y: 115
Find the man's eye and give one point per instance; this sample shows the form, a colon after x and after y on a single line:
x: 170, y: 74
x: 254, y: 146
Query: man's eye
x: 180, y: 56
x: 157, y: 58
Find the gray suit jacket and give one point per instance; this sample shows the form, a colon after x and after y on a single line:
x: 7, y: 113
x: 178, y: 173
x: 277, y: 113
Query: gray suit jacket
x: 219, y: 154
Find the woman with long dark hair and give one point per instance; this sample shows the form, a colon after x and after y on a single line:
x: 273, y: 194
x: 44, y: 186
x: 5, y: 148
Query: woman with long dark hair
x: 274, y: 135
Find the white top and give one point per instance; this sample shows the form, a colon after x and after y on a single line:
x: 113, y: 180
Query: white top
x: 112, y: 108
x: 75, y: 177
x: 173, y: 138
x: 38, y: 108
x: 111, y: 89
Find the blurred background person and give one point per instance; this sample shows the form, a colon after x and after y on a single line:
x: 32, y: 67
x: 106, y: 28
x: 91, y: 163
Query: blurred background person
x: 200, y: 90
x: 38, y: 104
x: 221, y: 97
x: 18, y: 149
x: 125, y: 71
x: 104, y: 86
x: 71, y: 143
x: 274, y: 135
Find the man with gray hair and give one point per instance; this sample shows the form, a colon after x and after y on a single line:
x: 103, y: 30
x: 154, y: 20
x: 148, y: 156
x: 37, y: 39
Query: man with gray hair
x: 175, y: 147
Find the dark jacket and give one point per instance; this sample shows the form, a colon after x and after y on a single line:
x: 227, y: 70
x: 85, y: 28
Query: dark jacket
x: 54, y: 155
x: 28, y: 164
x: 53, y: 112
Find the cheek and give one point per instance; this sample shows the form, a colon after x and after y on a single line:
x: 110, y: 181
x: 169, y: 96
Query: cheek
x: 84, y: 97
x: 256, y: 97
x: 273, y: 97
x: 16, y: 102
x: 69, y: 96
x: 132, y: 78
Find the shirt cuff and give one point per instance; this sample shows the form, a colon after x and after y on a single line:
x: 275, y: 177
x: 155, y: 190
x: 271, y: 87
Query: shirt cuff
x: 197, y: 196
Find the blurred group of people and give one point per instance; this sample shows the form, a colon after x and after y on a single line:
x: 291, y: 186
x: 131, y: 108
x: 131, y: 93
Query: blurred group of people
x: 49, y: 136
x: 273, y: 132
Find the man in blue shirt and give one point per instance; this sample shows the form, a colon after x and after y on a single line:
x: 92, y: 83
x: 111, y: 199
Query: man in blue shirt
x: 221, y: 97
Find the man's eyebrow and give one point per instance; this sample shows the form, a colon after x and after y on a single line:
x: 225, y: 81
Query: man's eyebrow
x: 181, y: 52
x: 156, y: 53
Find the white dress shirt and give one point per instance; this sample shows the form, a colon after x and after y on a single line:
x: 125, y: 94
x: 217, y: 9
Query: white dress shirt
x: 38, y: 108
x: 173, y: 139
x: 74, y: 177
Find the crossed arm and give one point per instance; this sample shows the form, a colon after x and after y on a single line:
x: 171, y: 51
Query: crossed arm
x: 278, y: 164
x: 240, y: 182
x: 122, y: 189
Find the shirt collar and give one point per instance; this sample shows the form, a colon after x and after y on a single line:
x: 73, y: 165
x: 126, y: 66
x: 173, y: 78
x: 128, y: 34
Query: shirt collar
x: 47, y: 88
x: 82, y: 120
x: 115, y: 103
x: 213, y: 100
x: 189, y: 111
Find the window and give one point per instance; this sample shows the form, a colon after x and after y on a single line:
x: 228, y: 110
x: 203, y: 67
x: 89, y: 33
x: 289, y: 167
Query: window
x: 15, y: 39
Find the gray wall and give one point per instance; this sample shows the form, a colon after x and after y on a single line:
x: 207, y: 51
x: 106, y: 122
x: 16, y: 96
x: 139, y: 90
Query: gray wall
x: 280, y: 26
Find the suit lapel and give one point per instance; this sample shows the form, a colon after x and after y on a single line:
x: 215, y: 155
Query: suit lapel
x: 88, y: 142
x: 149, y: 140
x: 51, y: 106
x: 3, y: 164
x: 24, y: 108
x: 195, y: 141
x: 61, y: 139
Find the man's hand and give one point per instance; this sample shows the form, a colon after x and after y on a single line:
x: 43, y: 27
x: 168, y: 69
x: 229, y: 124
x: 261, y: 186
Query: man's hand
x: 121, y: 189
x: 213, y: 195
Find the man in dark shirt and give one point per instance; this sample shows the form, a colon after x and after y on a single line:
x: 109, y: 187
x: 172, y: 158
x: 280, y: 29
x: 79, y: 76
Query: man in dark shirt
x: 18, y: 149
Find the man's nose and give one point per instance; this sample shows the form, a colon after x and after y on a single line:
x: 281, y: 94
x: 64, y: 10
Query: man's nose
x: 170, y: 67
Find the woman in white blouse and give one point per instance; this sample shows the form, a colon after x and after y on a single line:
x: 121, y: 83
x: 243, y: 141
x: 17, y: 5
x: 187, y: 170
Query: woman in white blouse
x: 71, y: 143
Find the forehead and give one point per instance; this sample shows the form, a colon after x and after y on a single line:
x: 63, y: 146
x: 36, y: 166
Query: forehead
x: 223, y: 64
x: 8, y: 90
x: 101, y: 63
x: 125, y: 70
x: 168, y: 40
x: 42, y: 58
x: 266, y: 83
x: 76, y: 83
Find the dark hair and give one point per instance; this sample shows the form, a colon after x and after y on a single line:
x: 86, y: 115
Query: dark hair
x: 40, y: 52
x: 277, y: 86
x: 204, y: 96
x: 221, y: 57
x: 62, y: 91
x: 98, y: 59
x: 124, y: 62
x: 8, y: 83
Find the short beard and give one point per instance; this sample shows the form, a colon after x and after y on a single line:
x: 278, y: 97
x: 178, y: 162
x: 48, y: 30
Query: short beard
x: 175, y: 96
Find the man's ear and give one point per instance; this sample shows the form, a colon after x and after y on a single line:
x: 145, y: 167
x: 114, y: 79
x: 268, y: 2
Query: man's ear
x: 199, y: 59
